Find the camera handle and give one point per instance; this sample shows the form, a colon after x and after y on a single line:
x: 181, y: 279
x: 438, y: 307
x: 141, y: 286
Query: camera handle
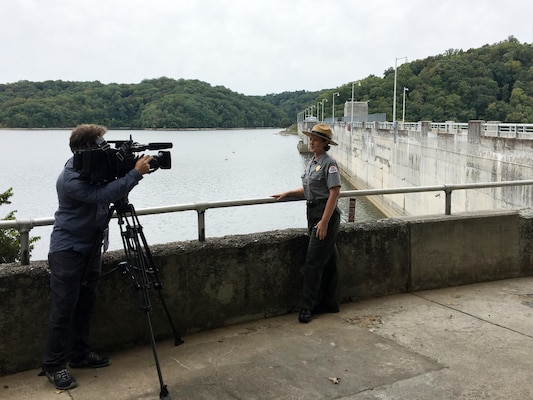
x: 139, y: 268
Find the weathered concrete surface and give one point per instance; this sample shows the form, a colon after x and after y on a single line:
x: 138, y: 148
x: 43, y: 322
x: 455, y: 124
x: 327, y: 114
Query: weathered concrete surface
x: 469, y: 342
x: 242, y: 278
x: 374, y: 158
x: 443, y: 255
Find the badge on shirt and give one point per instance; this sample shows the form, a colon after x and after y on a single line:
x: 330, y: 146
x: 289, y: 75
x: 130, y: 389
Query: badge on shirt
x: 318, y: 168
x: 333, y: 169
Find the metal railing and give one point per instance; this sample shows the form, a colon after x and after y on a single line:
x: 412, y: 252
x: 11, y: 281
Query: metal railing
x: 518, y: 131
x: 450, y: 127
x: 524, y: 131
x: 24, y: 226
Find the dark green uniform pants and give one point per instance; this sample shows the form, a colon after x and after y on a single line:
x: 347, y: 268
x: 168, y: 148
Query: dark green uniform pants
x: 321, y: 276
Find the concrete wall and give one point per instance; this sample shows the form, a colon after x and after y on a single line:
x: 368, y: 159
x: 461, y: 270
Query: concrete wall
x: 239, y: 278
x: 372, y: 159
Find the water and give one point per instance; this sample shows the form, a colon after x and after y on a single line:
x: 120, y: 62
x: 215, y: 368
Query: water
x: 206, y: 166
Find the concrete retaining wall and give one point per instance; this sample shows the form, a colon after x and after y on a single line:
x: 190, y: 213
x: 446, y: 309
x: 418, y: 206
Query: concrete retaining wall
x: 240, y: 278
x: 373, y: 158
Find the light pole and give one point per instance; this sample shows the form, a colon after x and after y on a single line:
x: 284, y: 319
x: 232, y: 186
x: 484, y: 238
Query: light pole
x: 351, y: 119
x: 403, y: 112
x: 333, y: 107
x: 394, y: 95
x: 323, y: 100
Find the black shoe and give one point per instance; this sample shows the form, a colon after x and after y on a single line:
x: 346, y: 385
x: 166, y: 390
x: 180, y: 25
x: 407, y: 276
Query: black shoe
x: 305, y: 316
x: 61, y: 379
x: 92, y: 360
x: 324, y: 309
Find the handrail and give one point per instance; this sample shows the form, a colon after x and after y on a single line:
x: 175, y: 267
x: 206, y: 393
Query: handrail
x: 489, y: 128
x: 524, y: 131
x: 24, y: 226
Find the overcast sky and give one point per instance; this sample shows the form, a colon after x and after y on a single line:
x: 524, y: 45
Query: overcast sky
x: 253, y: 47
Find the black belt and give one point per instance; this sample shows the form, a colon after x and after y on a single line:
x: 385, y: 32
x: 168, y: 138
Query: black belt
x: 314, y: 203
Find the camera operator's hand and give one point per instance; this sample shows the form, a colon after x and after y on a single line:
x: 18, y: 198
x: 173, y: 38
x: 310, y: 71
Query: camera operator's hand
x: 143, y: 164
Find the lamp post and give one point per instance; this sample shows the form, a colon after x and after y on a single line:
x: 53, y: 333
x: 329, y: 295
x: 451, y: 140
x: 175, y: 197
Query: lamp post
x: 323, y: 100
x: 318, y: 111
x: 403, y: 111
x: 394, y: 96
x: 333, y: 107
x: 351, y: 119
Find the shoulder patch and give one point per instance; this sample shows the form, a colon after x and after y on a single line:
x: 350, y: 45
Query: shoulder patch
x: 333, y: 169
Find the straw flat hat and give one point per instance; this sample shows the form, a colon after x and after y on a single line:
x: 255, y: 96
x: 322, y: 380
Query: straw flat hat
x: 322, y: 131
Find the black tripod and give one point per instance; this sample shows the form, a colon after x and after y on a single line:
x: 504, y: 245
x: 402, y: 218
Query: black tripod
x: 143, y: 275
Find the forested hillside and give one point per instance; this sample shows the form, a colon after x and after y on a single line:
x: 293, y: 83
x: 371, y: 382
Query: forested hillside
x: 494, y: 82
x: 155, y: 103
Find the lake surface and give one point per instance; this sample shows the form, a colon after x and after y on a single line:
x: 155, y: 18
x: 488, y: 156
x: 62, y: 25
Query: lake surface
x: 207, y: 166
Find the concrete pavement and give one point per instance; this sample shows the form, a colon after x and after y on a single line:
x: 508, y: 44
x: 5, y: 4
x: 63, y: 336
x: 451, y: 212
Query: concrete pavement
x: 466, y: 342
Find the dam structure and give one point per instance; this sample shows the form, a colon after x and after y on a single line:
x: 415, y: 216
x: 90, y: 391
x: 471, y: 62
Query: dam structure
x: 379, y: 155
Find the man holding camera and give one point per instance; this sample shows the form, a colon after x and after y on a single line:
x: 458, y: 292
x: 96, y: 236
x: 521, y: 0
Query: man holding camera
x: 80, y: 223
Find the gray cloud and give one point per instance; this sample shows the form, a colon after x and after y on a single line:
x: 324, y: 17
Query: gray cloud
x: 252, y: 47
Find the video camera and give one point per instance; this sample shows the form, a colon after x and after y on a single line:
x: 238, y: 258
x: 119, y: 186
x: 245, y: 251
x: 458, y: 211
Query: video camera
x: 105, y: 164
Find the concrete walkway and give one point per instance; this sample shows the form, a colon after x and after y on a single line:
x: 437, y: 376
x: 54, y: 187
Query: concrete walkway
x: 467, y: 342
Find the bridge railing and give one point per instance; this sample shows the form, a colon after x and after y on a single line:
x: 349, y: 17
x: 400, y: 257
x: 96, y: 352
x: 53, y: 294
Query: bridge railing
x: 24, y: 226
x: 450, y: 127
x: 495, y: 129
x: 522, y: 131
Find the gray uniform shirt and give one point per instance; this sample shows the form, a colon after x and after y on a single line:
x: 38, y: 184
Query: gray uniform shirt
x: 319, y: 176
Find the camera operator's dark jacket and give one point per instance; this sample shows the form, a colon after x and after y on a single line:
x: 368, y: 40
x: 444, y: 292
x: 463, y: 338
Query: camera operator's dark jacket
x: 84, y: 207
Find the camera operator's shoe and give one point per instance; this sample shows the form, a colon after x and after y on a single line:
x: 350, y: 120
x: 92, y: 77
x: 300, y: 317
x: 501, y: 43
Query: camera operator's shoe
x: 93, y: 360
x: 61, y: 379
x: 305, y: 316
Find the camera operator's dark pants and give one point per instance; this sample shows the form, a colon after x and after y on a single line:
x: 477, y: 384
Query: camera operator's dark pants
x: 71, y: 308
x: 321, y: 276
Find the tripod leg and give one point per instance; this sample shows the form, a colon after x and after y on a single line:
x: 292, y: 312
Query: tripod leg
x: 158, y: 285
x: 135, y: 267
x: 177, y: 339
x: 163, y: 394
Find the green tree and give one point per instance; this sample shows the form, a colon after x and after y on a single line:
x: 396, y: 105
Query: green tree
x: 457, y: 85
x: 10, y: 238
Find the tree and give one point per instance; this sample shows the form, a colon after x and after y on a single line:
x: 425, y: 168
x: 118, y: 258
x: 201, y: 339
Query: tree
x: 456, y: 85
x: 10, y: 238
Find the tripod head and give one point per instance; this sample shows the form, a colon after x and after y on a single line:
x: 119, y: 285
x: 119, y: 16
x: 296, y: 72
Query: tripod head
x: 120, y: 206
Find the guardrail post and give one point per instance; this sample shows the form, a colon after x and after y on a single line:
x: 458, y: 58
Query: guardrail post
x: 24, y: 245
x: 448, y: 202
x: 200, y: 209
x: 201, y: 225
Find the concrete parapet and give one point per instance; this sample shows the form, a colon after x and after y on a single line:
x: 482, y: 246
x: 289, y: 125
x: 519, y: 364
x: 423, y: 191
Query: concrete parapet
x: 240, y: 278
x: 474, y: 131
x: 425, y: 127
x: 463, y: 249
